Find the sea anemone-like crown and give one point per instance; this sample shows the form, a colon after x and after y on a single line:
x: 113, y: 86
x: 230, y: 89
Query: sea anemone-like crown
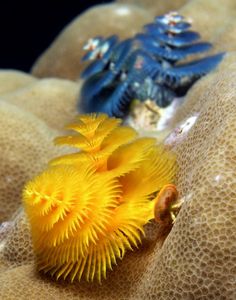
x: 89, y: 207
x: 145, y: 66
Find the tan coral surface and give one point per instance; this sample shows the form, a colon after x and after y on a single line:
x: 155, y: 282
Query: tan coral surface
x: 197, y: 259
x: 25, y: 144
x: 11, y: 80
x: 26, y: 140
x: 157, y: 7
x: 210, y: 18
x: 52, y: 100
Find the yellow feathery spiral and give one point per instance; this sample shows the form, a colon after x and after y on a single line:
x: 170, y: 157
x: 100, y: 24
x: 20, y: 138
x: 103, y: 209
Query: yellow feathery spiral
x: 88, y: 208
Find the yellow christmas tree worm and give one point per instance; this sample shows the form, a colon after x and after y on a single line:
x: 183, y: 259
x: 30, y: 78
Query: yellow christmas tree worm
x: 88, y: 208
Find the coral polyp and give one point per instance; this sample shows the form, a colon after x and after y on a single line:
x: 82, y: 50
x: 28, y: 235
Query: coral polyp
x: 146, y: 66
x: 88, y: 208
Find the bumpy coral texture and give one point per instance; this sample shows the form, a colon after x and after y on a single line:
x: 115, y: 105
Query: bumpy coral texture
x: 11, y: 80
x: 197, y: 259
x: 51, y: 96
x: 22, y: 142
x: 87, y: 209
x: 25, y: 139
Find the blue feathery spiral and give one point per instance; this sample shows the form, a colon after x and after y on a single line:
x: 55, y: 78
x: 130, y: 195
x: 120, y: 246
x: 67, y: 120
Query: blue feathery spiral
x: 143, y: 67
